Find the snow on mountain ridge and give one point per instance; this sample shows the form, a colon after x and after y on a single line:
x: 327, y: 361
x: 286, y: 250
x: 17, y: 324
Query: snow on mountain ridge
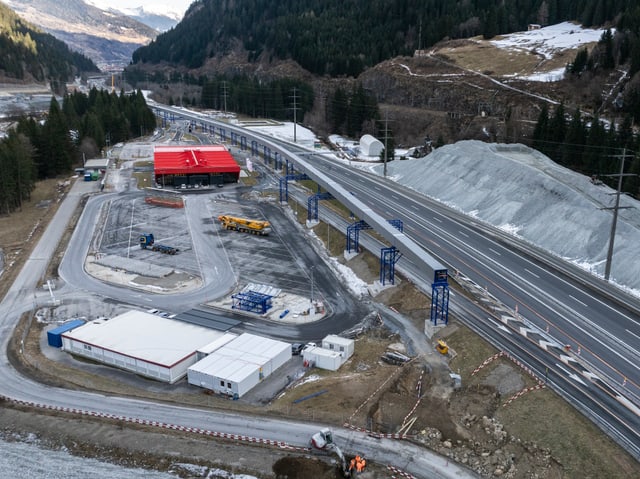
x: 174, y: 10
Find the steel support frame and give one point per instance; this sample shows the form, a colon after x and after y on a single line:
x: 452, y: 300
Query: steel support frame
x: 312, y: 204
x: 388, y: 259
x: 440, y: 298
x: 353, y: 232
x: 284, y: 185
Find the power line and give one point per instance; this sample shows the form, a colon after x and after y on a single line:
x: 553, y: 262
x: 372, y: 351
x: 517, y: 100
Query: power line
x: 615, y: 208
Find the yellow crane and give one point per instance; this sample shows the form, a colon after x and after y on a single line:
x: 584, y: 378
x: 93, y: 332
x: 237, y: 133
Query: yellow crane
x: 257, y: 227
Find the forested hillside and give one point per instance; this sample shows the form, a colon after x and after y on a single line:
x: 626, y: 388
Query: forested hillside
x: 27, y: 54
x: 339, y: 37
x: 37, y: 150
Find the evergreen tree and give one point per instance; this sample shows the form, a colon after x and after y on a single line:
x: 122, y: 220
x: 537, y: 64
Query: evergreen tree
x: 573, y: 144
x: 556, y: 133
x: 594, y: 156
x: 541, y: 130
x: 608, y: 60
x: 579, y: 63
x: 338, y: 108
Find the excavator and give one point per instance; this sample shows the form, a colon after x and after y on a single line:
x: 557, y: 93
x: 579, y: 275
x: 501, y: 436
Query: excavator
x: 323, y: 441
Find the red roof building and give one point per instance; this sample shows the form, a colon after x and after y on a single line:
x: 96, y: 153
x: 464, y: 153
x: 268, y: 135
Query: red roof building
x: 190, y: 166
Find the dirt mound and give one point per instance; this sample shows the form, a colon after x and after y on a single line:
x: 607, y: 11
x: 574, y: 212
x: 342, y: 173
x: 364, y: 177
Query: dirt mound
x: 304, y: 468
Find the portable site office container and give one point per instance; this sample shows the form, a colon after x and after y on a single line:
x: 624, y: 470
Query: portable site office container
x: 239, y: 365
x: 339, y: 344
x: 322, y: 358
x: 54, y: 337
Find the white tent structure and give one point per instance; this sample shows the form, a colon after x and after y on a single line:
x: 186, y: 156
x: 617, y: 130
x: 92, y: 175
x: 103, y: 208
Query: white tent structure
x: 370, y: 146
x: 146, y: 344
x: 239, y: 365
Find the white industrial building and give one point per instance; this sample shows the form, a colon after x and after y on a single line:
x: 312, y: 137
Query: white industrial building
x: 370, y: 146
x: 207, y: 349
x: 239, y: 365
x: 143, y: 343
x: 333, y: 353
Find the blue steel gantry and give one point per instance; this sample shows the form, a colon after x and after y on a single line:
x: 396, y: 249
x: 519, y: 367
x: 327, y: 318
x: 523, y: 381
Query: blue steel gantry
x: 353, y: 232
x: 440, y: 297
x: 284, y: 185
x: 312, y: 204
x: 223, y: 134
x: 388, y: 259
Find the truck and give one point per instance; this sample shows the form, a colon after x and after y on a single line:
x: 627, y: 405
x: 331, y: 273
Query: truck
x: 323, y: 441
x: 244, y: 225
x: 148, y: 241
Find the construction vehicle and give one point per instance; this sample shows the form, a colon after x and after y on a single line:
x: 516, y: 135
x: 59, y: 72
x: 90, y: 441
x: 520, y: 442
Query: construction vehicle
x: 148, y: 241
x: 442, y: 347
x: 323, y: 441
x: 256, y: 227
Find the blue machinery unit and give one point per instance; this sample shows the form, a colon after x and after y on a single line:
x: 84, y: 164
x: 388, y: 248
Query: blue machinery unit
x: 252, y: 301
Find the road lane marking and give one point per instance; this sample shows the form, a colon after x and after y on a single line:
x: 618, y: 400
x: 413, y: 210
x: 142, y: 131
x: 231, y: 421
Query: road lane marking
x: 632, y: 333
x: 532, y: 273
x: 463, y: 234
x: 495, y: 252
x: 578, y: 301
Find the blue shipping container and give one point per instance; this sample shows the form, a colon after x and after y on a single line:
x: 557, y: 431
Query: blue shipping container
x: 54, y: 337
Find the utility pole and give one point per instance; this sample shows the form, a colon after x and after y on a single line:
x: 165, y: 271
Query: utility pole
x: 224, y: 95
x: 614, y: 222
x: 386, y: 143
x: 295, y: 112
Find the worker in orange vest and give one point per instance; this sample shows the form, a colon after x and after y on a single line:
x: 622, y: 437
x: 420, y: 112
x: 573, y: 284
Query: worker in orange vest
x: 352, y: 464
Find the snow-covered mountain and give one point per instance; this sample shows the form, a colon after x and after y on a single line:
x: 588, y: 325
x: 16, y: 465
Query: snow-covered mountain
x: 107, y: 36
x: 158, y: 15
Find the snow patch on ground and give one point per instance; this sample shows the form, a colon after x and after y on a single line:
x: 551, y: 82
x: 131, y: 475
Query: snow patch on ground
x: 548, y: 41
